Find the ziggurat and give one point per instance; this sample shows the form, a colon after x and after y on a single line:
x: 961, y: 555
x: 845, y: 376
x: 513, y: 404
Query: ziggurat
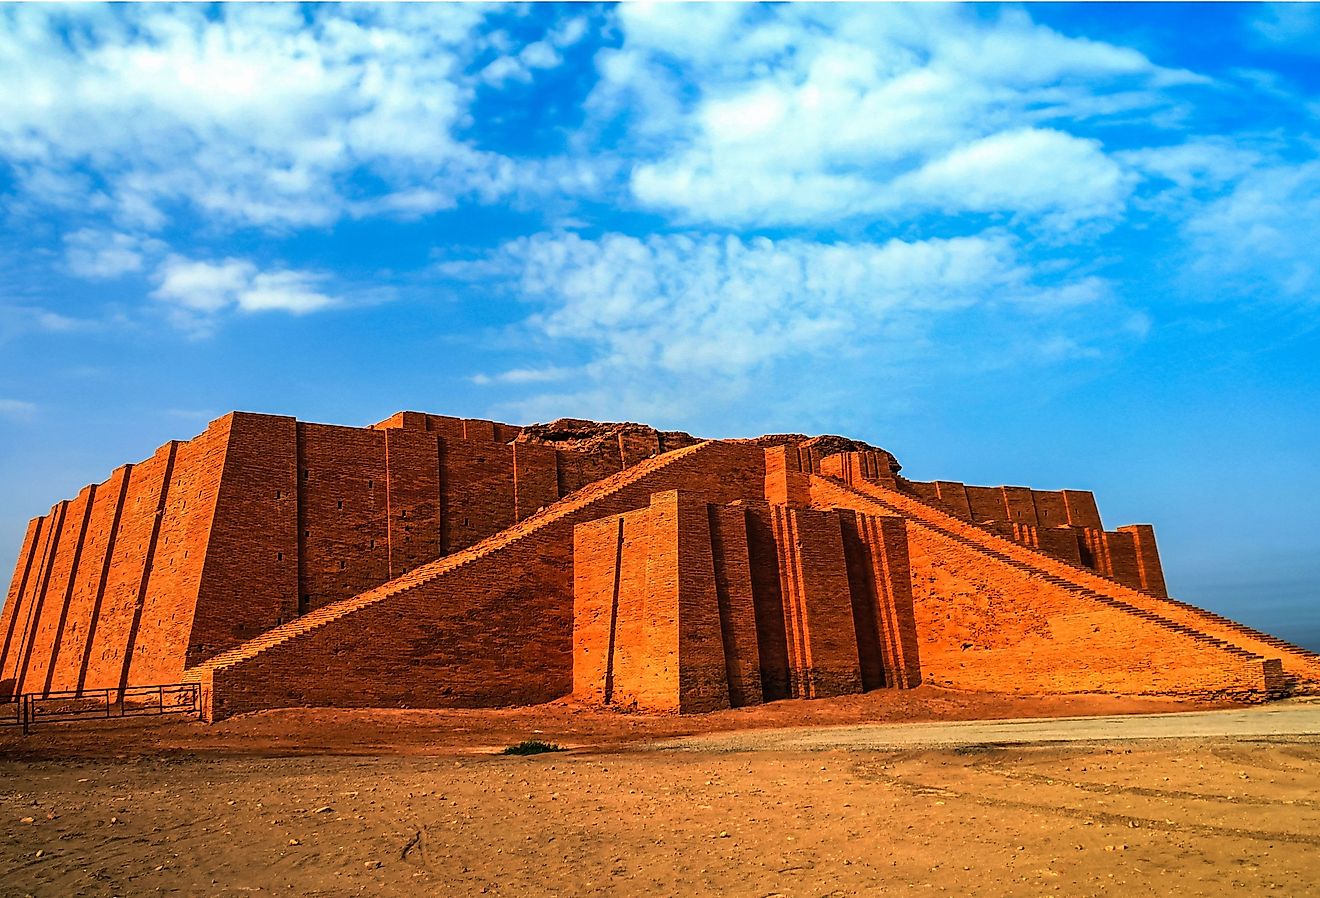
x: 430, y: 561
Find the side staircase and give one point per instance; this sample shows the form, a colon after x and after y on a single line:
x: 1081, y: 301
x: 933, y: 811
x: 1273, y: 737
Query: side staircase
x: 204, y: 673
x: 1300, y: 667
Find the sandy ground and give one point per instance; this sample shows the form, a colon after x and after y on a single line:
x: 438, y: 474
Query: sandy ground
x: 190, y: 810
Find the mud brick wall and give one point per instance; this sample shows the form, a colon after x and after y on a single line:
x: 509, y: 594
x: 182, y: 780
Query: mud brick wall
x: 72, y: 662
x: 123, y: 591
x: 250, y: 581
x: 1121, y: 554
x: 412, y: 470
x: 576, y: 470
x: 164, y: 619
x: 768, y: 603
x: 49, y: 611
x: 342, y: 512
x: 488, y: 627
x: 109, y: 593
x: 986, y: 625
x: 822, y: 644
x: 256, y: 521
x: 703, y: 675
x: 1060, y: 542
x: 1062, y: 523
x: 880, y: 588
x: 1005, y: 504
x: 478, y: 492
x: 828, y: 613
x: 648, y: 629
x: 19, y: 630
x: 9, y: 617
x: 115, y: 639
x: 1149, y: 570
x: 786, y: 481
x: 535, y: 478
x: 731, y: 558
x: 853, y: 466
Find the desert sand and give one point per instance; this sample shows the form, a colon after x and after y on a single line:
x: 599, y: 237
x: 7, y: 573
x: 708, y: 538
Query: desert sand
x: 324, y: 803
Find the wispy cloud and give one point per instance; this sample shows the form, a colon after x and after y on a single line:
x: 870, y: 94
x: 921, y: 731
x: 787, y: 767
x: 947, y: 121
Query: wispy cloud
x: 658, y: 316
x: 103, y: 255
x: 16, y: 409
x: 1258, y: 240
x: 1292, y: 25
x: 197, y: 292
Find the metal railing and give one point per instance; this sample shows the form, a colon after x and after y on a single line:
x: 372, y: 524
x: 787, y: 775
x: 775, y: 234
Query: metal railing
x: 33, y: 708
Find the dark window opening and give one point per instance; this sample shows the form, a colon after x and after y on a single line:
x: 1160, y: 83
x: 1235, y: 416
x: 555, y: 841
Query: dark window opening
x: 279, y: 495
x: 305, y: 473
x: 341, y: 565
x: 279, y: 556
x: 371, y: 484
x: 340, y: 505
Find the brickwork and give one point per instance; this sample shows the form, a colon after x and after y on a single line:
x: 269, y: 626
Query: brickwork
x: 731, y: 559
x: 1149, y: 570
x: 50, y: 613
x: 490, y: 625
x: 250, y: 580
x: 9, y: 616
x: 1062, y: 523
x: 440, y: 561
x: 86, y: 606
x: 666, y: 608
x: 1024, y: 615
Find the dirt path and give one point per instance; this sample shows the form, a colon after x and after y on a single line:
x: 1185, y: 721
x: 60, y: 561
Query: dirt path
x: 1300, y: 717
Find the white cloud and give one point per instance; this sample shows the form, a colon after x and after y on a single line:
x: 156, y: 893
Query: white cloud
x: 196, y: 292
x: 1029, y: 170
x: 1259, y: 239
x: 663, y: 319
x: 103, y: 255
x: 806, y: 115
x: 524, y: 376
x: 1203, y: 162
x: 254, y: 115
x: 287, y: 291
x: 203, y: 286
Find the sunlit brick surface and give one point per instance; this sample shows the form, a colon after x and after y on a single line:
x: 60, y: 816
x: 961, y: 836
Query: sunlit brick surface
x: 431, y: 561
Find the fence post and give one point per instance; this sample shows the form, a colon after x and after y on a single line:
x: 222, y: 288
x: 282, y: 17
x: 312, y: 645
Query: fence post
x: 26, y: 713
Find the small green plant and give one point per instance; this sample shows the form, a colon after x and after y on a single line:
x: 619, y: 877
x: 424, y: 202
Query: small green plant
x: 531, y: 747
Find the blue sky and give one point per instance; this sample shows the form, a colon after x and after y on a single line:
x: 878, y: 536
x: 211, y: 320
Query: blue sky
x: 1052, y: 245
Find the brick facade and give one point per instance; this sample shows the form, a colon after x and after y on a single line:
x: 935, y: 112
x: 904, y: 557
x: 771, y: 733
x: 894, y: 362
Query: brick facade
x: 434, y: 561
